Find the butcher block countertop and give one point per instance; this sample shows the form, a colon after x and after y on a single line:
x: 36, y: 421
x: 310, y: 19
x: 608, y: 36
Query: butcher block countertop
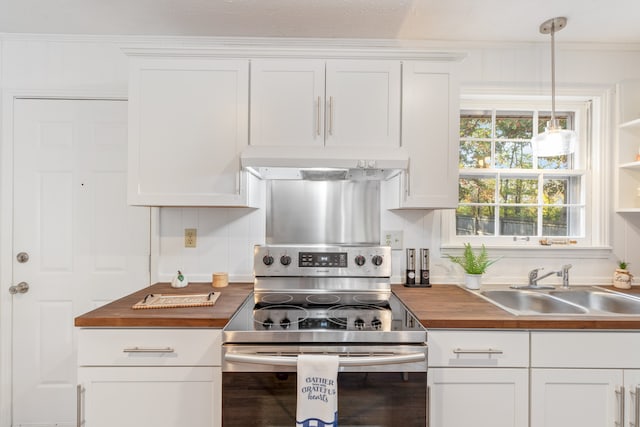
x: 437, y: 307
x: 450, y: 307
x: 119, y: 313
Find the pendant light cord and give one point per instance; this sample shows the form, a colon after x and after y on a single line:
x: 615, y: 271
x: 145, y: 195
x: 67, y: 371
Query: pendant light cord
x: 553, y: 74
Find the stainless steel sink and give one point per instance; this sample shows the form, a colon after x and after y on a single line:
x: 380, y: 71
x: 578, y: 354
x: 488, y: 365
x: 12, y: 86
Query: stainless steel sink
x: 591, y: 301
x: 594, y: 299
x: 531, y: 302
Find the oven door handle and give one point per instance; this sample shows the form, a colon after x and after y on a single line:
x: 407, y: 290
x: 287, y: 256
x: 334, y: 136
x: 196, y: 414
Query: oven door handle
x: 344, y: 360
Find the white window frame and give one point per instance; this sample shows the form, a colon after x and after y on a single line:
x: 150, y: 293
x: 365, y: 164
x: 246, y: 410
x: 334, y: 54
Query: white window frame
x: 594, y: 125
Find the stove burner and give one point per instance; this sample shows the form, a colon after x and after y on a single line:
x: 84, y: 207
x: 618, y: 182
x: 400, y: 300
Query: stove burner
x: 276, y: 298
x: 323, y: 299
x: 370, y: 299
x: 266, y: 322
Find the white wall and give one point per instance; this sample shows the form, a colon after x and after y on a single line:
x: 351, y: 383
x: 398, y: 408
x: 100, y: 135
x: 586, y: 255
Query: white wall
x: 95, y: 66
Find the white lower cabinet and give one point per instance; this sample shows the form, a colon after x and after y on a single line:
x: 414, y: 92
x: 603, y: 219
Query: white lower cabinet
x: 149, y: 377
x: 150, y: 396
x: 478, y: 378
x: 483, y: 397
x: 584, y: 379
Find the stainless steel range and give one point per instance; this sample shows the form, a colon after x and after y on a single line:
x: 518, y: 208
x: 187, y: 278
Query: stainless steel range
x: 330, y: 300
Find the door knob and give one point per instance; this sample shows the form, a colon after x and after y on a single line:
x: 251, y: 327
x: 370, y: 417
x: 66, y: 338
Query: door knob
x: 20, y: 288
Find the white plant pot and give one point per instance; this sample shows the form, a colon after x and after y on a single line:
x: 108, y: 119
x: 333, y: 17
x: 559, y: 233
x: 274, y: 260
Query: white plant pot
x: 472, y: 281
x: 622, y: 279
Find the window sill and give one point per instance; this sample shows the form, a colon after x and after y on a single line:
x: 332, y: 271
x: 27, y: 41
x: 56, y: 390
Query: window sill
x: 531, y: 251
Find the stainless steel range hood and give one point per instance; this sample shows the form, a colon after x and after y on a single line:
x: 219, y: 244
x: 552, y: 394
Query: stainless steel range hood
x: 324, y: 163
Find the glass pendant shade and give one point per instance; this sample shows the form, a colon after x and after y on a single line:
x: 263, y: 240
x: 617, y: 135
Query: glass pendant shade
x: 554, y: 141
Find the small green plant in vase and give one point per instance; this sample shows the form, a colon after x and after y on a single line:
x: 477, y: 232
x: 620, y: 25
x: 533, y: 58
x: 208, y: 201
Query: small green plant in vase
x: 622, y: 277
x: 474, y: 264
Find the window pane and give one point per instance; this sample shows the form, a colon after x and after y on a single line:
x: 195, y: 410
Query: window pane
x: 555, y: 191
x: 514, y: 125
x: 518, y: 221
x: 555, y: 221
x: 475, y: 126
x: 475, y: 154
x: 514, y: 155
x: 476, y: 190
x: 557, y: 162
x: 518, y: 190
x: 475, y: 221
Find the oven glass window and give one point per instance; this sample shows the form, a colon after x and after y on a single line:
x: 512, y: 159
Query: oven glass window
x: 373, y: 399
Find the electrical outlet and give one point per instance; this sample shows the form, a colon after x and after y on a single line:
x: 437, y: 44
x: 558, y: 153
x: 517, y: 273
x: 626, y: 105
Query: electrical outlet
x: 190, y: 237
x: 393, y: 239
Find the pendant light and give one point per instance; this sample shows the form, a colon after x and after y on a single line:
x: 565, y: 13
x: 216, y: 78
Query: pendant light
x: 554, y: 141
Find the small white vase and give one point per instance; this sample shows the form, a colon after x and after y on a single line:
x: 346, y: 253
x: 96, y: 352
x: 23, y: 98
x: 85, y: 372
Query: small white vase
x: 179, y: 280
x: 472, y: 281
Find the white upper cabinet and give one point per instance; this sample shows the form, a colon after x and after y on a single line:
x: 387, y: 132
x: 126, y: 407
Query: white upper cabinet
x: 430, y: 129
x: 188, y: 122
x: 313, y: 102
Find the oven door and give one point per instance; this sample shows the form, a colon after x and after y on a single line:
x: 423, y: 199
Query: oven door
x: 377, y: 385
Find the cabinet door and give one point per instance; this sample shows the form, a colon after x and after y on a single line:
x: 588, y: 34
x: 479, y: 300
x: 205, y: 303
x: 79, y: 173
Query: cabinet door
x: 188, y: 122
x: 463, y: 397
x: 430, y: 129
x: 287, y: 102
x: 575, y: 397
x: 363, y: 103
x: 150, y: 396
x: 632, y: 402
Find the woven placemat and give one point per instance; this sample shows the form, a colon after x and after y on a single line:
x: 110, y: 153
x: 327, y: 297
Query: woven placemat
x: 176, y: 301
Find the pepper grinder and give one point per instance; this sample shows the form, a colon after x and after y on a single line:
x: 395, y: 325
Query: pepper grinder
x: 424, y: 267
x: 411, y: 267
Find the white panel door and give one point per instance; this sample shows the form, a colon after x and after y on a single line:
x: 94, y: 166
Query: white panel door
x: 632, y: 402
x: 85, y: 245
x: 287, y: 102
x: 575, y: 397
x: 363, y: 103
x: 184, y: 396
x: 189, y: 121
x: 483, y: 397
x: 430, y: 132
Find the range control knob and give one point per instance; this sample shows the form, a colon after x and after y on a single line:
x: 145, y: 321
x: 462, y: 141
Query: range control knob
x: 267, y: 324
x: 376, y: 260
x: 360, y: 260
x: 376, y: 323
x: 285, y: 260
x: 359, y: 324
x: 285, y: 323
x: 267, y: 260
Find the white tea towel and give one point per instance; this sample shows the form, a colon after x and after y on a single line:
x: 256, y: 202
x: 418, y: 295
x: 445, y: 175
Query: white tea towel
x: 317, y: 391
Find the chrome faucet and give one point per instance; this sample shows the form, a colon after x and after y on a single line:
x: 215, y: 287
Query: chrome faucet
x: 534, y: 278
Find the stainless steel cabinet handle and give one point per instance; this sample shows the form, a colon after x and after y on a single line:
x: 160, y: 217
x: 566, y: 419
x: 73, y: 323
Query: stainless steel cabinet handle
x: 20, y: 288
x: 331, y: 115
x: 620, y: 396
x: 635, y: 396
x: 344, y: 361
x: 319, y: 116
x: 149, y: 350
x: 477, y: 351
x: 79, y: 391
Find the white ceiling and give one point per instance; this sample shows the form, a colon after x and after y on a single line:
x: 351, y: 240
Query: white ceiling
x: 607, y: 21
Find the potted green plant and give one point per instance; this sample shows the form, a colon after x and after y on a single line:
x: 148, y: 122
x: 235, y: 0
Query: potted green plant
x: 622, y: 278
x: 474, y: 264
